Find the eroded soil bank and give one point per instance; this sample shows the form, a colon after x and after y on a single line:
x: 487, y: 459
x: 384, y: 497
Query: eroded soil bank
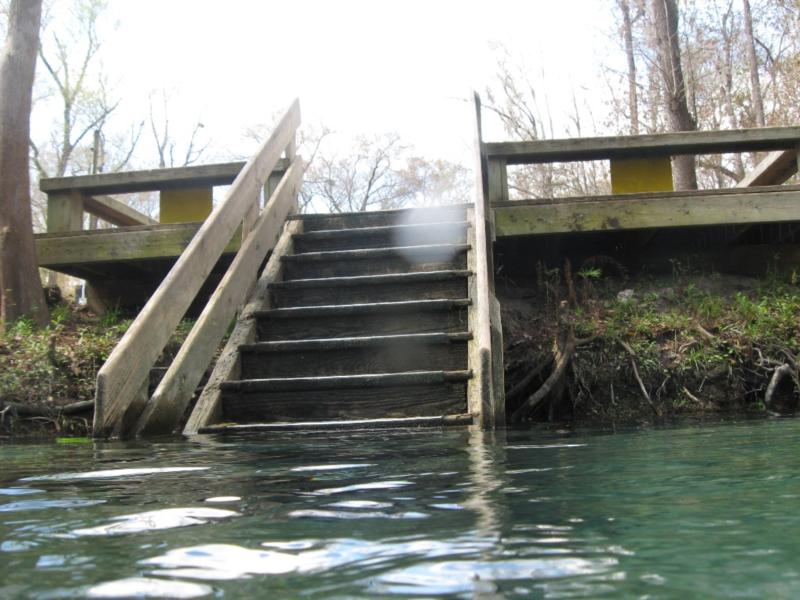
x: 589, y: 344
x: 592, y: 344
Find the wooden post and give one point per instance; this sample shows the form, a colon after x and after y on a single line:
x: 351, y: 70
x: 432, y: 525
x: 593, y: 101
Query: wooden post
x: 64, y: 211
x: 497, y: 181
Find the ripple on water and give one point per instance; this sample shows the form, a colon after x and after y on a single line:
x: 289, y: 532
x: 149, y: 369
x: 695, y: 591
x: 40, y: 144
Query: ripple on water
x: 351, y: 515
x: 154, y: 520
x: 47, y: 504
x: 338, y: 467
x: 144, y: 587
x: 19, y: 491
x: 111, y: 473
x: 453, y: 577
x: 360, y: 487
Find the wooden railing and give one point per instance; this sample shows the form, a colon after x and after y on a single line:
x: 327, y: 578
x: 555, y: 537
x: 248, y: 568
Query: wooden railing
x: 122, y: 405
x: 485, y: 392
x: 783, y: 140
x: 69, y: 198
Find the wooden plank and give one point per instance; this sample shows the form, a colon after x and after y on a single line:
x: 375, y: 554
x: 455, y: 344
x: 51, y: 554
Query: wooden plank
x: 400, y: 422
x: 353, y: 403
x: 640, y: 146
x: 482, y: 399
x: 151, y: 179
x: 696, y: 195
x: 65, y: 211
x: 634, y: 212
x: 208, y: 408
x: 497, y: 178
x: 774, y: 169
x: 129, y: 364
x: 115, y: 212
x: 172, y: 395
x: 105, y: 245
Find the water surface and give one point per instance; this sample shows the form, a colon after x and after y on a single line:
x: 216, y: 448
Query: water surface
x: 689, y: 511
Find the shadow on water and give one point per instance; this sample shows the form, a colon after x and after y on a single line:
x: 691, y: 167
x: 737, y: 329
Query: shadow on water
x: 699, y: 510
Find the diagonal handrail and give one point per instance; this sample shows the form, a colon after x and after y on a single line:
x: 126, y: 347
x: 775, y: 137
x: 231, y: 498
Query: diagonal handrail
x: 123, y: 379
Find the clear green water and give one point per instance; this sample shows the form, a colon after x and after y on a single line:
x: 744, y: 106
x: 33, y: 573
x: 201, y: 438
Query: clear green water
x: 691, y: 511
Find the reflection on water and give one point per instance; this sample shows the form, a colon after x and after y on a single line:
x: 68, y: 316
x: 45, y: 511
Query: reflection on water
x: 668, y: 513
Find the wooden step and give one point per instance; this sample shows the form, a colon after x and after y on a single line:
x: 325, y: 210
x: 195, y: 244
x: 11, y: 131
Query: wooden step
x: 369, y: 396
x: 452, y: 232
x: 352, y: 320
x: 376, y: 261
x: 355, y: 355
x: 397, y: 423
x: 316, y: 222
x: 370, y: 288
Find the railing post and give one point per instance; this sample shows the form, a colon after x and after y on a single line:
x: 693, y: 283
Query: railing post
x: 64, y: 211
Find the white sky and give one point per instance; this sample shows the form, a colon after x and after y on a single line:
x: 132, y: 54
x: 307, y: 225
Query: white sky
x: 359, y: 66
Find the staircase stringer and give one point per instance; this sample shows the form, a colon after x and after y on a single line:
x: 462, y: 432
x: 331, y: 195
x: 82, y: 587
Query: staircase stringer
x: 485, y: 393
x: 228, y: 365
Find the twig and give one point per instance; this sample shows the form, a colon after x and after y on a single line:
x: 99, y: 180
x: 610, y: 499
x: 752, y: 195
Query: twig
x: 635, y: 369
x: 704, y: 333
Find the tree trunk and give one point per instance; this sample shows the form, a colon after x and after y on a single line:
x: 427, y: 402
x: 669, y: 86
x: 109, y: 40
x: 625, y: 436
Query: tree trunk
x: 20, y: 287
x: 665, y: 23
x: 755, y: 84
x: 627, y: 35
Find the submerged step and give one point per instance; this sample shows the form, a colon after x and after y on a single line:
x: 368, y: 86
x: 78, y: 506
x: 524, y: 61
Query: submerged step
x: 351, y: 320
x: 370, y: 288
x: 355, y: 355
x: 371, y: 396
x: 451, y: 232
x: 396, y: 423
x: 376, y: 261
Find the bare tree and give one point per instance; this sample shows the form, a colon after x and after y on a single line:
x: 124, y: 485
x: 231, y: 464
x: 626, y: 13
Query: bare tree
x: 627, y: 36
x: 665, y: 24
x: 20, y: 287
x: 69, y: 56
x: 365, y: 177
x: 752, y: 59
x: 162, y: 128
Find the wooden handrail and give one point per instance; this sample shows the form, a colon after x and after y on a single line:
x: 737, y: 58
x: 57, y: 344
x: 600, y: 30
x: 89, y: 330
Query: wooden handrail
x: 122, y: 381
x: 640, y: 146
x: 148, y: 180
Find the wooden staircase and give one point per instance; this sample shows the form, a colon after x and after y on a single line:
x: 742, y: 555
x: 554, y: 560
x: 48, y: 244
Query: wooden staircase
x: 377, y: 319
x: 359, y: 320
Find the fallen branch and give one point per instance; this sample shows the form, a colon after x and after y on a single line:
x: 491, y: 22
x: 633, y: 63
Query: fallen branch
x: 777, y: 375
x: 26, y: 410
x: 562, y: 360
x: 518, y: 389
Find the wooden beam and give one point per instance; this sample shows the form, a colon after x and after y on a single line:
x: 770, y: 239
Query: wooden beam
x: 774, y: 169
x: 115, y: 212
x: 207, y: 410
x: 641, y: 146
x: 173, y: 393
x: 762, y: 205
x: 151, y: 179
x: 108, y: 245
x: 128, y: 366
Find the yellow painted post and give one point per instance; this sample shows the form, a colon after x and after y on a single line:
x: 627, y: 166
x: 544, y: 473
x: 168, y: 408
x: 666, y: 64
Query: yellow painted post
x: 639, y: 175
x: 186, y: 205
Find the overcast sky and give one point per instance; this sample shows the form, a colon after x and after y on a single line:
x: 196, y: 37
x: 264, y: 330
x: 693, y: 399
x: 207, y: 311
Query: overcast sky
x: 359, y: 66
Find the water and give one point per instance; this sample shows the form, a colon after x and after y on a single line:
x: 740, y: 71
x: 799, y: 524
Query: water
x: 691, y: 511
